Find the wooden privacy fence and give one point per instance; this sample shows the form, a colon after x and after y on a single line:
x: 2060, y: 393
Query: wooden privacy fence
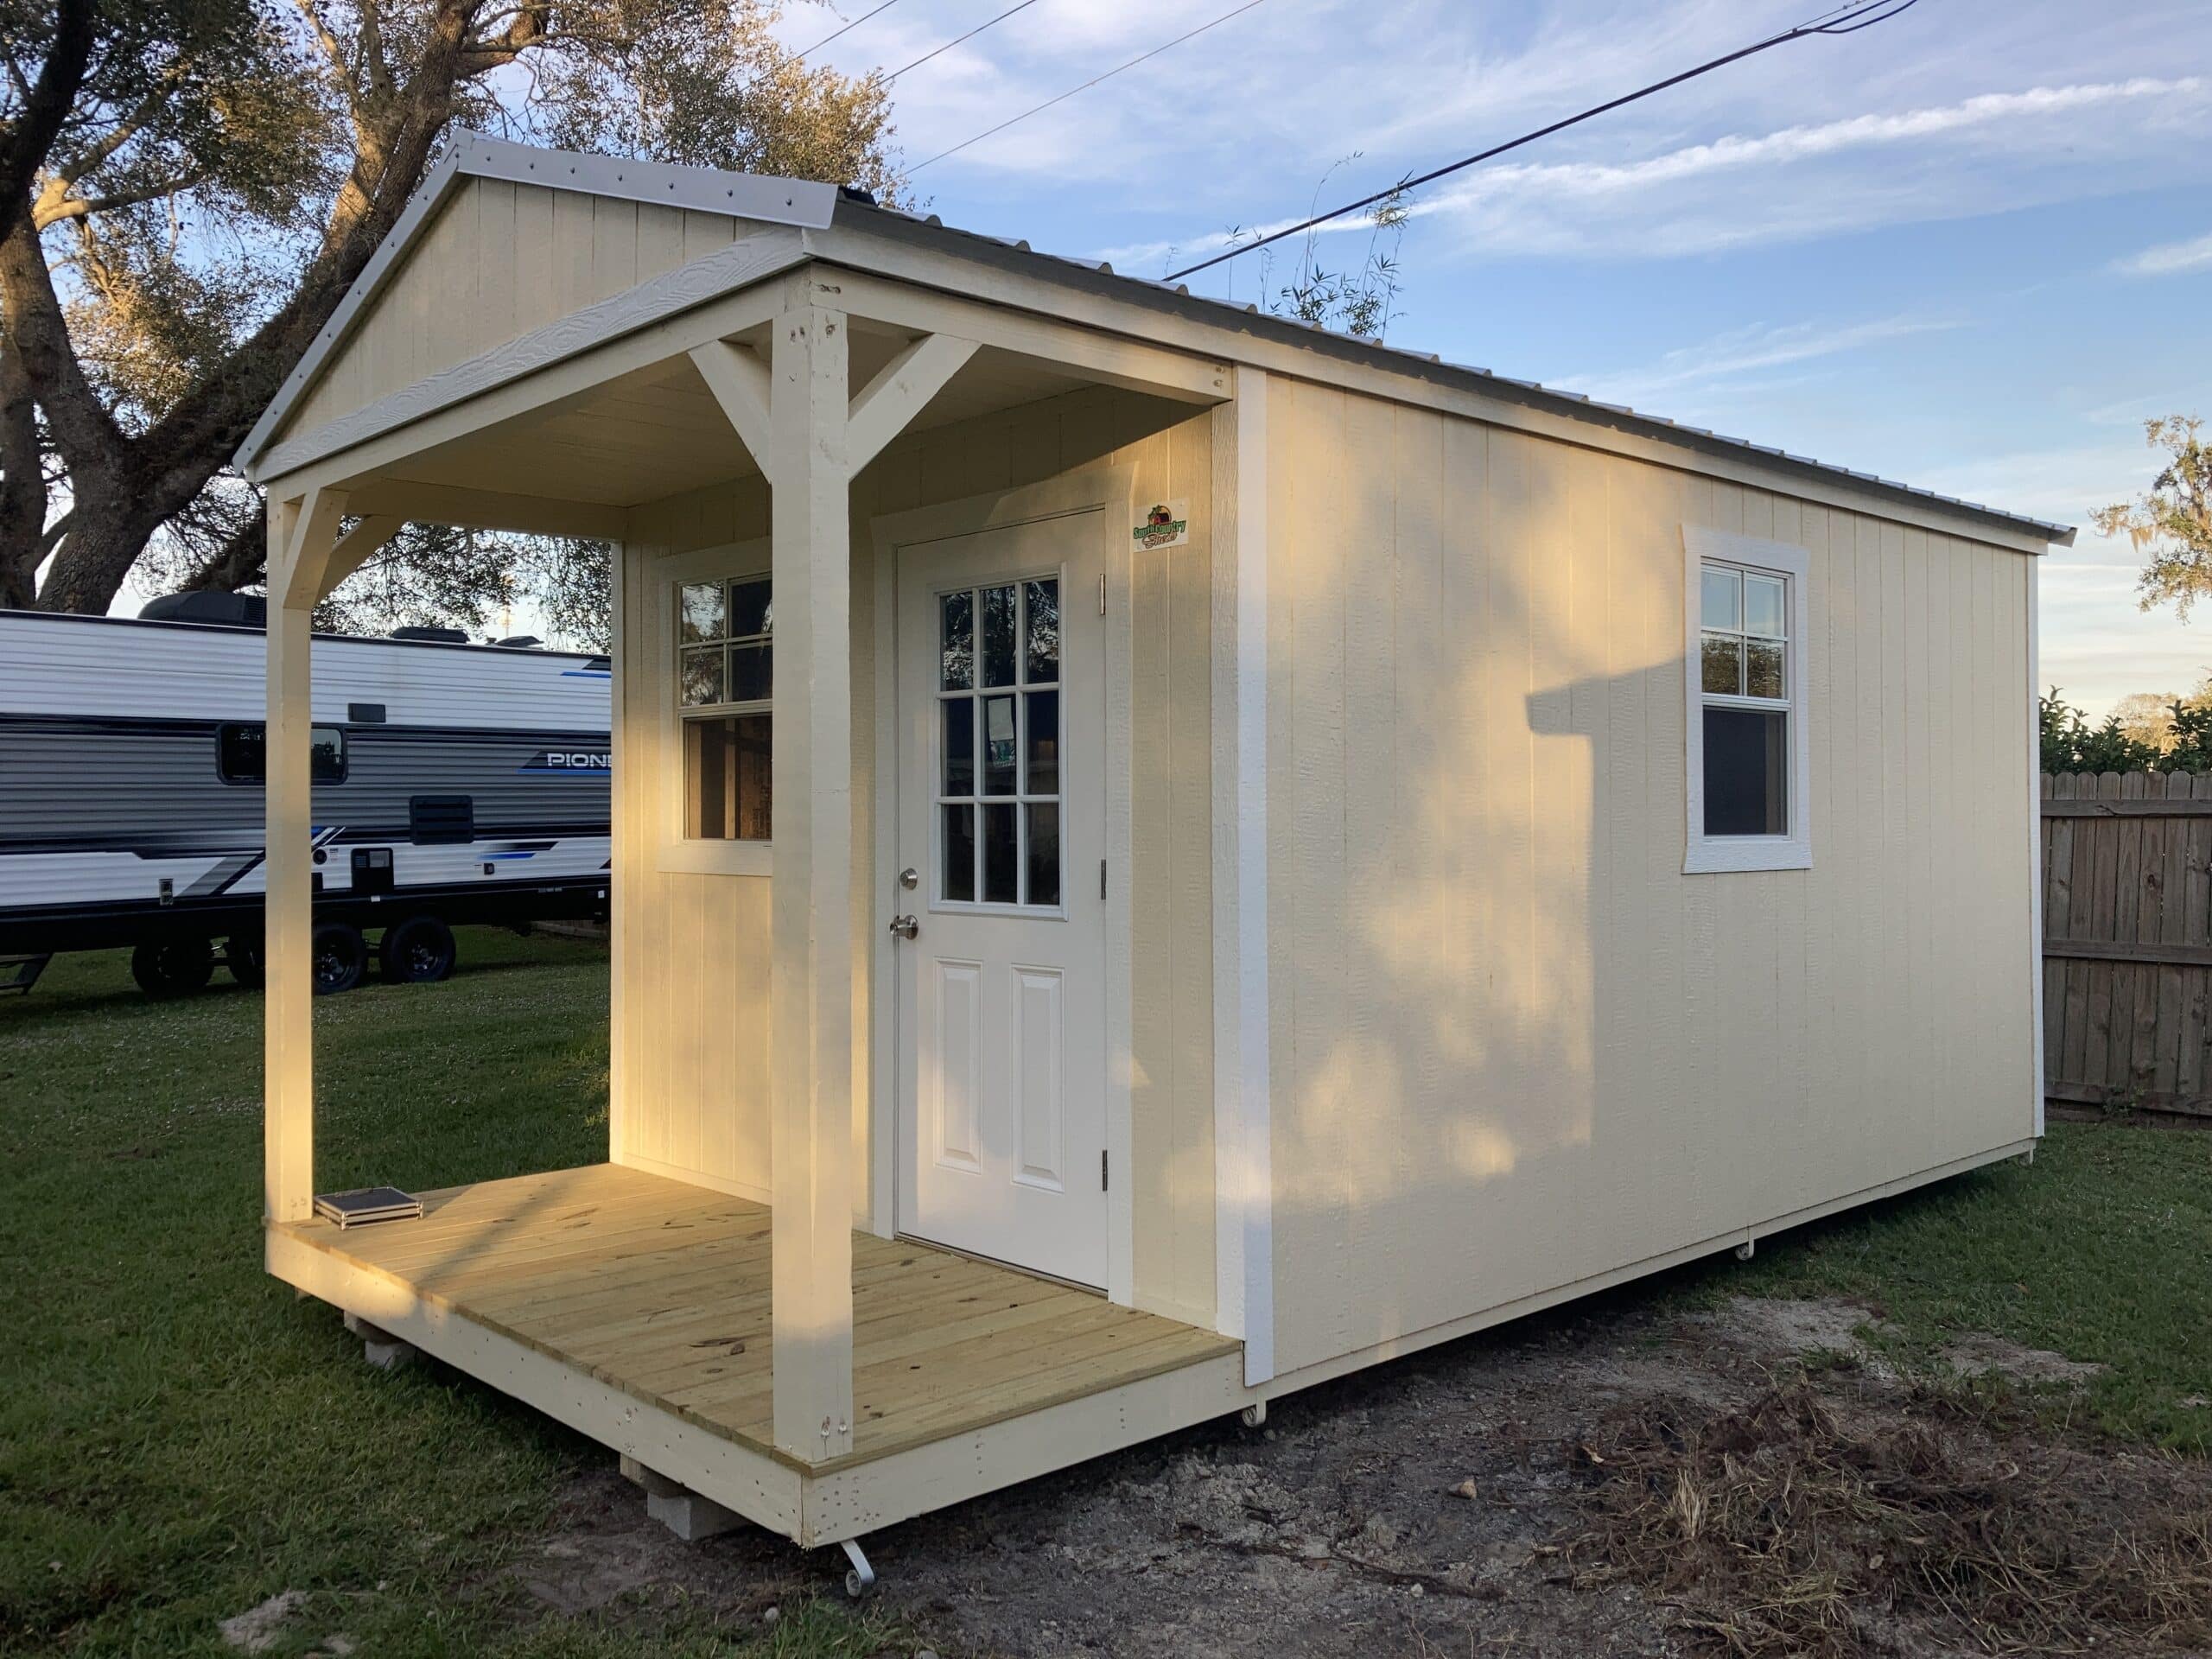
x: 2127, y: 939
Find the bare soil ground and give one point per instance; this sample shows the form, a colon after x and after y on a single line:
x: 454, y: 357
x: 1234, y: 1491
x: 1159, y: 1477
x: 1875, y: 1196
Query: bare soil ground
x: 1617, y: 1480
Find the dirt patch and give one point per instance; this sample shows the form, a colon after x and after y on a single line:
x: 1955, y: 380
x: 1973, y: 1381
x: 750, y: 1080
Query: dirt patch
x: 1442, y: 1504
x: 1839, y: 1523
x: 1786, y: 1327
x: 1987, y: 1356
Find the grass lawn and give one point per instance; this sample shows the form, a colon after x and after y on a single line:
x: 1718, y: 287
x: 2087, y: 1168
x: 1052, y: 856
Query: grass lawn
x: 180, y: 1439
x: 2101, y: 1250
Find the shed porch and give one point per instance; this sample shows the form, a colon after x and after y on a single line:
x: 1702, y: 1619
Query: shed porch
x: 636, y: 1309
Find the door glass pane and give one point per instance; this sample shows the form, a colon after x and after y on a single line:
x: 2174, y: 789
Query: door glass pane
x: 1722, y: 601
x: 750, y: 611
x: 960, y: 746
x: 702, y: 677
x: 1763, y: 668
x: 1747, y: 772
x: 960, y: 854
x: 1723, y: 671
x: 998, y: 746
x: 1044, y: 854
x: 751, y: 673
x: 959, y: 615
x: 1043, y: 655
x: 1763, y: 606
x: 1044, y: 768
x: 998, y: 635
x: 699, y: 612
x: 1000, y: 854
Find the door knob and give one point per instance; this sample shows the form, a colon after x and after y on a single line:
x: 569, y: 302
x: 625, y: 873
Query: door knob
x: 905, y: 927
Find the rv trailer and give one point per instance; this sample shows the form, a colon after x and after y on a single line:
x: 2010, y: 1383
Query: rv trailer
x: 452, y: 782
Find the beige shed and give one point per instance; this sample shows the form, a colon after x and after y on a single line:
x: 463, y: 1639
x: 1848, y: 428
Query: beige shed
x: 1160, y: 855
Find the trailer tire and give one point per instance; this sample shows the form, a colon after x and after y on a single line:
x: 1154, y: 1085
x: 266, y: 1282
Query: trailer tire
x: 339, y: 957
x: 172, y: 967
x: 417, y: 952
x: 242, y: 957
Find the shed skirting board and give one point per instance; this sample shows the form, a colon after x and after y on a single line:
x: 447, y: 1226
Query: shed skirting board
x: 757, y: 1487
x: 1324, y: 1370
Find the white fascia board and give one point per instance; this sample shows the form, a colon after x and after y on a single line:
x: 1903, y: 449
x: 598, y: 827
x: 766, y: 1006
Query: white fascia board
x: 803, y: 203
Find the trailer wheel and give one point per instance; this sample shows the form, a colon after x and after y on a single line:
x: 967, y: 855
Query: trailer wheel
x: 417, y: 952
x: 243, y: 958
x: 172, y: 967
x: 340, y: 957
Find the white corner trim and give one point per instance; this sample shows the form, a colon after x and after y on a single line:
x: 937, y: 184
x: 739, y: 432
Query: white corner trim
x: 1243, y: 1177
x: 1705, y: 855
x: 2035, y: 834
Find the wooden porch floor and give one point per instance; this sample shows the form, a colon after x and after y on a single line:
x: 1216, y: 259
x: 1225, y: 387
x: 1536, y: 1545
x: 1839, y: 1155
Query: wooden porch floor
x: 660, y: 1289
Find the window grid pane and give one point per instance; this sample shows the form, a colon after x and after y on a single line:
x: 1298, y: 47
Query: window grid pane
x: 1743, y: 654
x: 999, y: 775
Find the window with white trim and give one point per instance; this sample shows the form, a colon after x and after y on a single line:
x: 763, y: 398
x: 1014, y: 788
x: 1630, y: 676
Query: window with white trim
x: 725, y: 684
x: 1746, y: 683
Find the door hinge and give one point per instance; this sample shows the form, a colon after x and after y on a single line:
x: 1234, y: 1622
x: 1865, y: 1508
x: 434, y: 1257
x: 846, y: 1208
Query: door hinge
x: 1101, y: 880
x: 1105, y: 1185
x: 1102, y: 595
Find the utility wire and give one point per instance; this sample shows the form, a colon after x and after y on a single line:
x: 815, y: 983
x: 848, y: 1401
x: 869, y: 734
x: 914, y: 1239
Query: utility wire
x: 1847, y: 19
x: 1025, y: 5
x: 847, y: 29
x: 1085, y: 87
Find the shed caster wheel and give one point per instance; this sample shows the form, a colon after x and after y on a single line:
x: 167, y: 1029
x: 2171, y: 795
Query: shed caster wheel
x: 1746, y: 1249
x: 860, y: 1578
x: 1254, y: 1415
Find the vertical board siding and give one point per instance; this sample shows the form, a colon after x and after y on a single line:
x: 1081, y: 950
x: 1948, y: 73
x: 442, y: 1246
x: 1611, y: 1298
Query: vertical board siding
x: 2127, y: 940
x: 498, y: 260
x: 691, y: 1041
x: 1514, y: 1046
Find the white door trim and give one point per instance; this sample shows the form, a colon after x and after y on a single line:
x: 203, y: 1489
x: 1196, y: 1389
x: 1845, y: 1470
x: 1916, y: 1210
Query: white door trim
x: 1108, y: 490
x: 1244, y: 1178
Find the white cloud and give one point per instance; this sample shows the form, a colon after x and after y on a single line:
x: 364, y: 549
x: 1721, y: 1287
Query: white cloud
x: 2169, y: 259
x: 1744, y: 351
x: 1672, y: 203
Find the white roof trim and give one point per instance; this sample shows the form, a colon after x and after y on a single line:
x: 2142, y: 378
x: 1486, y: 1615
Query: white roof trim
x: 805, y: 203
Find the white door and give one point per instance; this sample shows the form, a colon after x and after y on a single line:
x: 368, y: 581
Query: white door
x: 1002, y: 817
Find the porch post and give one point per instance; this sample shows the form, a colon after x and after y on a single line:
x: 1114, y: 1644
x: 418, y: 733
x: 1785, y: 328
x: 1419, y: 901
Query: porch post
x: 810, y: 972
x: 302, y: 535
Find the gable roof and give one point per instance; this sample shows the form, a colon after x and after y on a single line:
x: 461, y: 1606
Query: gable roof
x: 811, y: 206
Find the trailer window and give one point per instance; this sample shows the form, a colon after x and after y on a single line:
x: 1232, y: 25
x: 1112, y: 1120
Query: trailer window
x: 242, y: 754
x: 725, y: 684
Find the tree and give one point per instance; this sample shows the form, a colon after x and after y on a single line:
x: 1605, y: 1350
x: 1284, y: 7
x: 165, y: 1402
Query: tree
x: 2172, y: 522
x: 2071, y: 744
x: 1352, y: 300
x: 2148, y: 717
x: 218, y: 174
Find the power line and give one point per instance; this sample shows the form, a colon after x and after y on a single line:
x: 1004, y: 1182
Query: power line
x: 956, y: 40
x: 1085, y: 87
x: 1846, y: 19
x: 847, y: 29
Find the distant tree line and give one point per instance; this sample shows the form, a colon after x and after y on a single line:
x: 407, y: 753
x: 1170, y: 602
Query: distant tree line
x: 2144, y: 733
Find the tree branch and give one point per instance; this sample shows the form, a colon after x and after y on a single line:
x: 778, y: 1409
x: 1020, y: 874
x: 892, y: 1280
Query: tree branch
x: 85, y: 206
x: 25, y: 141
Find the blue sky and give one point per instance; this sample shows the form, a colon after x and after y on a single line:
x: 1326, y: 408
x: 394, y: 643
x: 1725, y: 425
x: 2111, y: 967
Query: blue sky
x: 1971, y: 248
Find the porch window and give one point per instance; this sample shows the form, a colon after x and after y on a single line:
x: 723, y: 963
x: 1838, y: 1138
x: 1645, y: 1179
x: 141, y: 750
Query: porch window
x: 725, y: 683
x: 1747, y: 683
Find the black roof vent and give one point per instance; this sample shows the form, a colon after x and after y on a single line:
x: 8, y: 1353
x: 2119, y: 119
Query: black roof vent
x: 519, y: 642
x: 854, y: 193
x: 435, y: 636
x: 215, y: 610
